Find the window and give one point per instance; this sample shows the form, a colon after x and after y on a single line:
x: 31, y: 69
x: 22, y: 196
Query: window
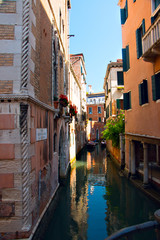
x: 90, y: 110
x: 155, y: 4
x: 156, y: 86
x: 99, y: 109
x: 143, y: 92
x: 90, y: 119
x: 99, y: 119
x: 139, y: 34
x: 124, y: 13
x: 107, y: 112
x: 125, y: 56
x: 134, y: 0
x: 127, y: 100
x: 120, y: 78
x: 119, y: 103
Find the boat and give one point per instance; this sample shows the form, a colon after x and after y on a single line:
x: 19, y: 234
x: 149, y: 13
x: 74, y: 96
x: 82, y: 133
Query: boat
x: 103, y: 143
x: 91, y: 145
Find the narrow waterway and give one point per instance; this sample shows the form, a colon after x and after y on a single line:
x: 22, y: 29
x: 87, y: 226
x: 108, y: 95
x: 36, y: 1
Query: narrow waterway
x: 97, y: 201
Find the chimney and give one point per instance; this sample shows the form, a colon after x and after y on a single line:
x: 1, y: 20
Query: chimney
x: 90, y: 89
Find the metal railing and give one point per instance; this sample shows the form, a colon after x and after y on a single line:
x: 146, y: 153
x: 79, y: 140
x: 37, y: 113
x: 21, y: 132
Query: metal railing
x: 129, y: 232
x: 151, y: 36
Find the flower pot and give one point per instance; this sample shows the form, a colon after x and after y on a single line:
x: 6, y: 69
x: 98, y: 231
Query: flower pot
x: 56, y: 104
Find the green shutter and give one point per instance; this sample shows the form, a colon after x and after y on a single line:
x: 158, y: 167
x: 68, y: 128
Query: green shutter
x: 110, y: 108
x: 129, y: 100
x: 120, y: 78
x: 143, y: 27
x: 127, y: 57
x: 154, y: 88
x: 157, y: 2
x: 123, y: 15
x: 126, y: 8
x: 124, y: 59
x: 140, y: 94
x: 125, y: 102
x: 118, y: 103
x: 138, y: 43
x: 145, y: 91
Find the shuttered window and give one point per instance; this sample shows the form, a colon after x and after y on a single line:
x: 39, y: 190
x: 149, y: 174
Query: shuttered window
x: 143, y: 92
x: 107, y: 112
x: 119, y: 103
x: 120, y: 78
x: 110, y: 108
x: 125, y: 56
x: 134, y: 0
x: 156, y: 86
x: 127, y: 100
x: 124, y: 13
x: 139, y: 34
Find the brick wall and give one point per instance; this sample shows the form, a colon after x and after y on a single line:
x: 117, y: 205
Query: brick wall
x: 6, y: 59
x: 6, y: 87
x: 8, y: 7
x: 6, y: 32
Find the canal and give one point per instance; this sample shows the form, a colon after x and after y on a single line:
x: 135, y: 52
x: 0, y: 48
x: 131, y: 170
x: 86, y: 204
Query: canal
x: 96, y: 201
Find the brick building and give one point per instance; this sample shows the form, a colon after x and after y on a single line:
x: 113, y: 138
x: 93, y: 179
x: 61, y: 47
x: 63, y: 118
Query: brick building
x: 141, y: 66
x: 95, y: 115
x: 34, y: 136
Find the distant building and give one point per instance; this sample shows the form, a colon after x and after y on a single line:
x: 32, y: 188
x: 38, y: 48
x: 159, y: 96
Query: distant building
x: 113, y: 87
x: 78, y: 97
x: 95, y: 115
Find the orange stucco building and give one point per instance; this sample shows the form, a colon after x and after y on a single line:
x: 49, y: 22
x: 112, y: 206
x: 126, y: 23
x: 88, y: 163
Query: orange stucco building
x: 141, y: 65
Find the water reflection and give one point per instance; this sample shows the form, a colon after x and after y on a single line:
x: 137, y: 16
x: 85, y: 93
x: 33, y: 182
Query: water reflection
x: 97, y: 202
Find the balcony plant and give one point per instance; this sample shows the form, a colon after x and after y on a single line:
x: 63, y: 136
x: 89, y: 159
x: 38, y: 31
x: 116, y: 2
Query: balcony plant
x: 63, y: 100
x: 72, y: 110
x: 56, y: 102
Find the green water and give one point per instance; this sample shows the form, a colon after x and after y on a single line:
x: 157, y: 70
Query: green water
x: 96, y: 202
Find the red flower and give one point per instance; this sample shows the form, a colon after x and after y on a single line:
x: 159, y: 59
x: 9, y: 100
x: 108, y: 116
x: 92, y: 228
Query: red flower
x: 63, y: 100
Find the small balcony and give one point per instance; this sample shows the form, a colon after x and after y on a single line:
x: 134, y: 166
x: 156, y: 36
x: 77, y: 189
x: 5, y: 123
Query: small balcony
x: 151, y: 42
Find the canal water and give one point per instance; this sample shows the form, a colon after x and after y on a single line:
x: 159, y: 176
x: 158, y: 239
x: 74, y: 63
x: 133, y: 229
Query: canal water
x: 97, y: 201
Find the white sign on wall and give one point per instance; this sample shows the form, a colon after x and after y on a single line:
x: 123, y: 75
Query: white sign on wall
x: 41, y: 134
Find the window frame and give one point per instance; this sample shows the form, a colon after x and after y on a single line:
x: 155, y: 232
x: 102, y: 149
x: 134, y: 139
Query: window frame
x: 99, y: 108
x: 90, y: 110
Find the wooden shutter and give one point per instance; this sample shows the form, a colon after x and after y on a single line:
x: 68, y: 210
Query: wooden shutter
x: 126, y: 101
x: 140, y: 93
x: 126, y: 8
x: 129, y: 100
x: 143, y: 27
x: 145, y: 91
x: 124, y: 60
x: 123, y: 15
x: 120, y: 78
x: 127, y: 57
x: 118, y: 104
x: 138, y: 43
x: 154, y: 88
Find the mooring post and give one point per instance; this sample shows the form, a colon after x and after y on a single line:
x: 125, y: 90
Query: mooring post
x: 157, y: 217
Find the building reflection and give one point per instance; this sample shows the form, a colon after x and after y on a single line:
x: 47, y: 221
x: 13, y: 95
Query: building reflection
x: 85, y: 175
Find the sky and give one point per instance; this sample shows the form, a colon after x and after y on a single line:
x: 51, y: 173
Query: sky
x: 97, y: 29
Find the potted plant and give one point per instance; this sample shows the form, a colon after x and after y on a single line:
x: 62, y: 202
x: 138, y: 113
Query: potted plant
x: 72, y: 110
x: 63, y: 100
x: 56, y: 102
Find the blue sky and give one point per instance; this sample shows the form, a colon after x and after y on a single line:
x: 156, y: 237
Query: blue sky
x: 97, y: 29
